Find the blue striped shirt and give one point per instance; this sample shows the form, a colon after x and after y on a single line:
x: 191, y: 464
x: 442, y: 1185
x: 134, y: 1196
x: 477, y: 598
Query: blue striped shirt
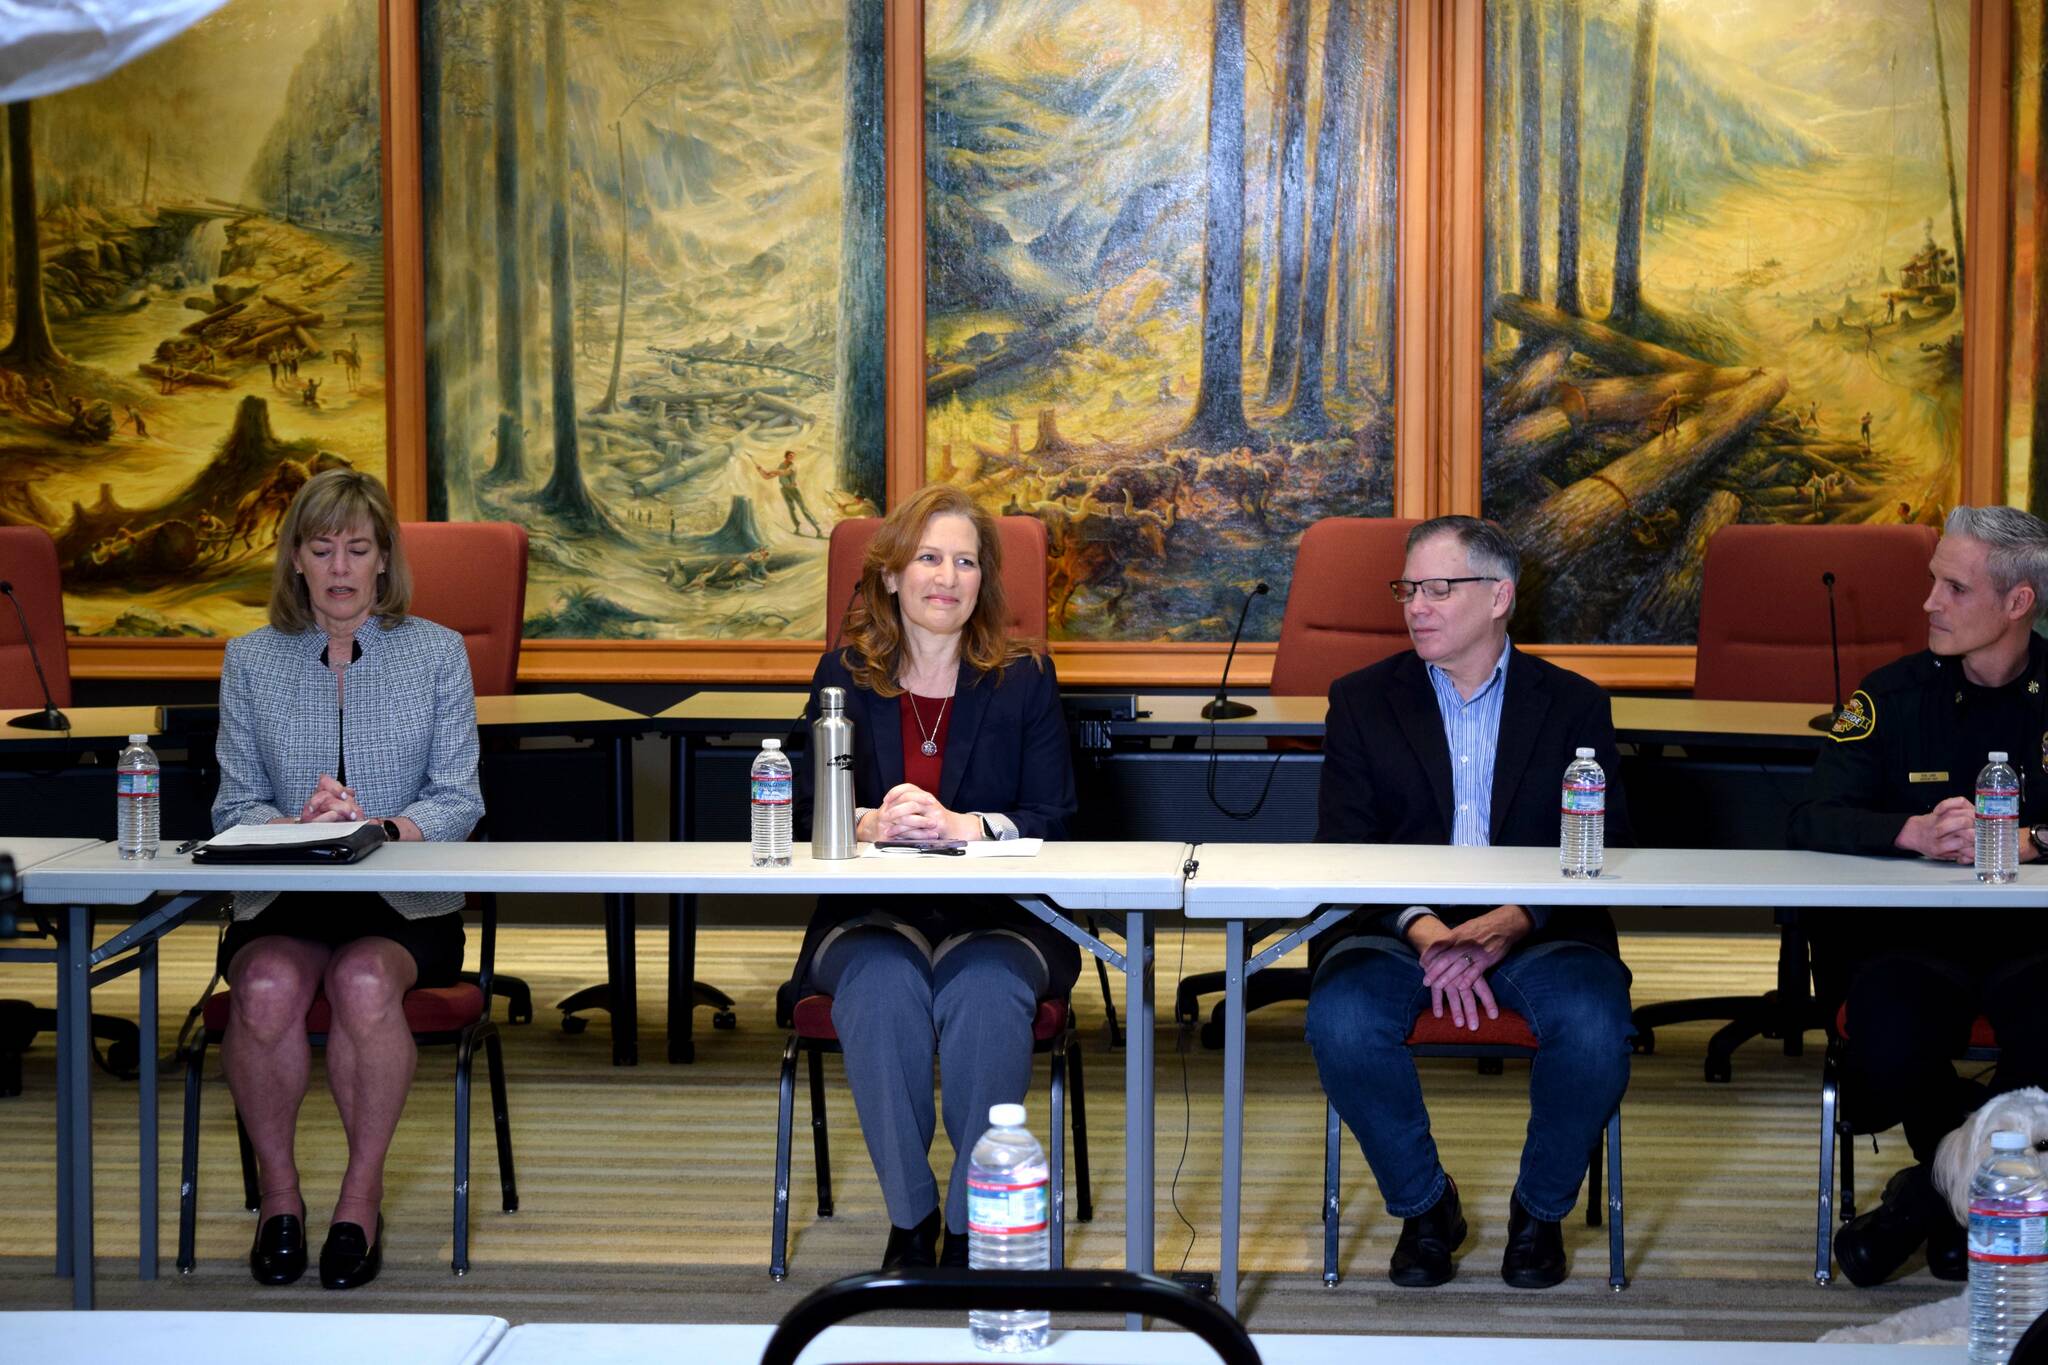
x: 1472, y: 731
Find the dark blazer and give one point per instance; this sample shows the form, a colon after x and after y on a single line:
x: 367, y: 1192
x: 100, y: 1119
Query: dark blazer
x: 1387, y: 776
x: 1006, y: 753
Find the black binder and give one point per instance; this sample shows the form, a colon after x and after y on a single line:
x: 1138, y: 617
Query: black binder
x: 341, y: 848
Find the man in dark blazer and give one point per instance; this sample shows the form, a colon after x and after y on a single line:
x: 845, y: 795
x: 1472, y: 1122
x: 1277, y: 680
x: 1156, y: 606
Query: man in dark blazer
x: 1464, y: 740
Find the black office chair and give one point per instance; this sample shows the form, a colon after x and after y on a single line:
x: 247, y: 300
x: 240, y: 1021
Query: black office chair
x: 1058, y: 1291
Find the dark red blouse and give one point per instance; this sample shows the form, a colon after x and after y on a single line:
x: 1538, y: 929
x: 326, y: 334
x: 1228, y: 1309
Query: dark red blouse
x: 936, y: 714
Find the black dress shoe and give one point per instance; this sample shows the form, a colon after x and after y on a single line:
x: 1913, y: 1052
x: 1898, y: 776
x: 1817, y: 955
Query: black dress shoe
x: 1948, y: 1250
x: 913, y: 1248
x: 345, y: 1261
x: 1422, y: 1258
x: 278, y: 1255
x: 1535, y: 1255
x: 954, y: 1251
x: 1872, y: 1246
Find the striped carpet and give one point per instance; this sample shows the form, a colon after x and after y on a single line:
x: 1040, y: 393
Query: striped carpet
x: 645, y: 1192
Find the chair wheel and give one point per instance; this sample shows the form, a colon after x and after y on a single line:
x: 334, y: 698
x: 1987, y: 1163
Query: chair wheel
x: 725, y: 1019
x: 572, y: 1023
x: 1646, y: 1042
x: 1720, y: 1070
x: 1212, y: 1035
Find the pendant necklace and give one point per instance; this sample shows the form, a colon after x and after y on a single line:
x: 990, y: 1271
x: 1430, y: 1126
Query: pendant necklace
x: 931, y: 741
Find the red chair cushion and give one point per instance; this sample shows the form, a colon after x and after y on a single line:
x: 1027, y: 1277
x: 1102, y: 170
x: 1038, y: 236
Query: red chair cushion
x: 1340, y: 616
x: 1981, y: 1032
x: 1510, y: 1030
x: 812, y: 1019
x: 433, y: 1009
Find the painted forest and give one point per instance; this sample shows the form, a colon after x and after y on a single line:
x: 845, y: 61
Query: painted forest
x: 1722, y: 269
x: 1160, y: 309
x: 655, y: 265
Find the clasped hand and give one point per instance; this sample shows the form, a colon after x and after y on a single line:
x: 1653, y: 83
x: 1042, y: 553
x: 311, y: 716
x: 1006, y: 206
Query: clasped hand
x: 330, y: 802
x: 1456, y: 959
x: 910, y: 814
x: 1947, y: 833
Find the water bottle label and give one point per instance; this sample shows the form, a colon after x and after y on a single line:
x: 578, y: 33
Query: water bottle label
x: 771, y: 791
x: 2009, y: 1235
x: 1998, y: 803
x: 134, y: 782
x: 1005, y: 1210
x: 1585, y: 798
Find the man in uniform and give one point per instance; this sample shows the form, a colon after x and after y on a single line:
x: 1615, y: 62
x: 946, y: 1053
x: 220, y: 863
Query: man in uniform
x: 1899, y: 780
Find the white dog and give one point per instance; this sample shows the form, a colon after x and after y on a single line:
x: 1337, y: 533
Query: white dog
x: 1964, y: 1150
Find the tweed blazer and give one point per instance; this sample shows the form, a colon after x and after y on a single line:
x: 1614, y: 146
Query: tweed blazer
x: 410, y: 732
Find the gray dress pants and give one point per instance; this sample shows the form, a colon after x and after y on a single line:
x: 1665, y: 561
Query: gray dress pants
x: 892, y: 1008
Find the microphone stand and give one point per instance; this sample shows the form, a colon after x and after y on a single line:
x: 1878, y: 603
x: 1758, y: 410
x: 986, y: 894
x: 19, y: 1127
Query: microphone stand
x: 1221, y: 707
x: 1825, y: 723
x: 49, y: 718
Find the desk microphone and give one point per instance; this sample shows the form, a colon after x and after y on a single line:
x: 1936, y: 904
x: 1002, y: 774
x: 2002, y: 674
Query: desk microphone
x: 49, y: 718
x: 1221, y: 707
x: 1825, y: 723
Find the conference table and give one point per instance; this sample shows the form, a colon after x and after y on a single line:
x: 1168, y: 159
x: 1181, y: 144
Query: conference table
x: 1127, y: 883
x: 1300, y: 891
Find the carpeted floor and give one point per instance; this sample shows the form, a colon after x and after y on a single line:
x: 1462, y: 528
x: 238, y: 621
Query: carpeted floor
x: 645, y: 1192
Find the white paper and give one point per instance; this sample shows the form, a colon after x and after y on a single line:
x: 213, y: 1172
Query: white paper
x: 980, y: 848
x: 52, y: 45
x: 284, y: 836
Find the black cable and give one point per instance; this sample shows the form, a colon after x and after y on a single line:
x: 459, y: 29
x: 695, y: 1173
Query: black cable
x: 1187, y: 1120
x: 1272, y: 771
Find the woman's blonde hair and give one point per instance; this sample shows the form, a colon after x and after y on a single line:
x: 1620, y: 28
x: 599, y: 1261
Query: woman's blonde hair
x: 874, y: 651
x: 330, y: 503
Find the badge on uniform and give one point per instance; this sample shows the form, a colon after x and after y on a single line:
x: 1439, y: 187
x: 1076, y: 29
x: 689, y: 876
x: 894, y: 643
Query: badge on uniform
x: 1858, y: 718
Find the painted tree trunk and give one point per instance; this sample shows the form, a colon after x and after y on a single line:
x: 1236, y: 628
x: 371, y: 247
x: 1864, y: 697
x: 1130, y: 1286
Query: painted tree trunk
x: 1218, y: 420
x: 861, y: 371
x: 510, y: 466
x: 1293, y: 172
x: 32, y: 346
x: 1493, y: 247
x: 434, y: 402
x: 1571, y: 36
x: 1529, y: 155
x: 1948, y: 144
x: 565, y: 497
x: 1604, y: 402
x: 1385, y: 275
x: 1669, y: 600
x: 1336, y: 139
x: 1270, y: 224
x: 1635, y: 172
x: 1602, y: 345
x: 610, y: 401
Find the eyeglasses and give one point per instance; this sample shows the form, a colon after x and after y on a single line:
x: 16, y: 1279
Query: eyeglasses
x: 1435, y: 589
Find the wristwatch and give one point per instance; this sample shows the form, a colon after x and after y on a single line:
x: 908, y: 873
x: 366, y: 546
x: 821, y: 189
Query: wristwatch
x: 2034, y: 838
x: 392, y: 833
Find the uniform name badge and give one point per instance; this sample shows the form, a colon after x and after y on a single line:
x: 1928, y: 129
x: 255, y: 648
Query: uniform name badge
x: 1943, y: 777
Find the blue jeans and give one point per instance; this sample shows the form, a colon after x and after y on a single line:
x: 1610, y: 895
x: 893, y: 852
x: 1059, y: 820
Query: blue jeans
x: 1365, y: 1001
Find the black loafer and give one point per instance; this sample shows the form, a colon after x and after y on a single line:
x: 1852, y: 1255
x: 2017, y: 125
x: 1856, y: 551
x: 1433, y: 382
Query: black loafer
x: 1422, y: 1257
x: 913, y: 1248
x: 1535, y: 1255
x: 1948, y: 1250
x: 346, y: 1261
x: 278, y: 1255
x: 954, y: 1252
x: 1872, y: 1246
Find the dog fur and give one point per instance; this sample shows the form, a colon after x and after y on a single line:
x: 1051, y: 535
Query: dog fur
x: 1964, y: 1150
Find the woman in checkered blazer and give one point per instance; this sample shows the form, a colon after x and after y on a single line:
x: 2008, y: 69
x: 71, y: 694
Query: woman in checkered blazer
x: 342, y: 708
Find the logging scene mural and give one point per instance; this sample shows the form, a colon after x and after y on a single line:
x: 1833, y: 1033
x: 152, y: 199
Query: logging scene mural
x: 1723, y: 265
x: 655, y: 300
x: 1160, y: 299
x: 193, y: 301
x: 2026, y: 443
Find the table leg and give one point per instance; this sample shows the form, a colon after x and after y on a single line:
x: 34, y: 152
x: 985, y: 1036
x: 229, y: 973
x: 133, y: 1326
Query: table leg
x: 682, y: 913
x: 146, y: 1111
x: 625, y: 983
x: 63, y: 1104
x: 1233, y: 1111
x: 75, y: 986
x: 1138, y: 1044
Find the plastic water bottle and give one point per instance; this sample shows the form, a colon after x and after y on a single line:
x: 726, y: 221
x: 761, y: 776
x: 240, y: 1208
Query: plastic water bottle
x: 2008, y: 1248
x: 1582, y: 837
x: 770, y: 784
x: 1007, y: 1212
x: 1998, y: 821
x: 138, y: 799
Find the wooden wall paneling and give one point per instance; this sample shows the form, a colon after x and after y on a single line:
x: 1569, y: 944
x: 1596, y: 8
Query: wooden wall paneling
x: 1987, y: 261
x: 405, y: 261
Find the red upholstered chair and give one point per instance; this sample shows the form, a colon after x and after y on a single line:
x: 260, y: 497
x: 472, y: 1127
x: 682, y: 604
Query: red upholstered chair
x: 470, y: 576
x: 28, y: 559
x: 1836, y: 1132
x: 458, y: 1015
x: 1783, y: 654
x: 809, y: 1021
x: 1023, y: 540
x: 1340, y: 616
x: 1494, y: 1040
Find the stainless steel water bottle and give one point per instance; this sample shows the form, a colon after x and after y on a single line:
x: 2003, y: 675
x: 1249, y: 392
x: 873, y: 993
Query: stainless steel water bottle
x: 832, y: 774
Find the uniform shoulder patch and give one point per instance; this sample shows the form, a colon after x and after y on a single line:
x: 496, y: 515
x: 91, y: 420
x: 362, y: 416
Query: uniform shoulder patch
x: 1856, y: 720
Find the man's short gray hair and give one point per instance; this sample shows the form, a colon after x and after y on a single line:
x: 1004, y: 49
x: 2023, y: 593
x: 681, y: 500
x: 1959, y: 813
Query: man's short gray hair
x: 1487, y: 548
x: 2018, y: 545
